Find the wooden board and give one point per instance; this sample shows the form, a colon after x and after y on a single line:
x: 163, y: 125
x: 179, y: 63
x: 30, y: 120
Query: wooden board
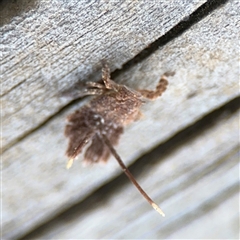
x: 198, y: 192
x: 36, y: 184
x: 54, y: 45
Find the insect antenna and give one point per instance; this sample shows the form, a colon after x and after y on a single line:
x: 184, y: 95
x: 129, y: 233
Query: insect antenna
x: 130, y: 176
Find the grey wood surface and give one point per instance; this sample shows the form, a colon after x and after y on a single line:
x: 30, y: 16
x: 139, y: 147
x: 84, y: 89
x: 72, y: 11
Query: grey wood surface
x: 53, y: 45
x: 62, y: 42
x: 198, y: 192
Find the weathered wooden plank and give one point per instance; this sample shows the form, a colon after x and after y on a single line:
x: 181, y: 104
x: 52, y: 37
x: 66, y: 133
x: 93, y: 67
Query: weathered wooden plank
x: 57, y: 43
x: 196, y: 185
x: 40, y: 156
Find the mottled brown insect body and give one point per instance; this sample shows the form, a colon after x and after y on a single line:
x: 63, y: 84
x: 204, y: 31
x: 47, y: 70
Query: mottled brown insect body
x: 107, y: 113
x: 119, y: 105
x: 101, y: 122
x: 113, y: 108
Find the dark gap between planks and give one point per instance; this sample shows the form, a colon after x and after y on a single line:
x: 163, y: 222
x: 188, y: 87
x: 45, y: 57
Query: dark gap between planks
x: 203, y: 11
x: 210, y: 204
x: 12, y: 8
x: 101, y: 195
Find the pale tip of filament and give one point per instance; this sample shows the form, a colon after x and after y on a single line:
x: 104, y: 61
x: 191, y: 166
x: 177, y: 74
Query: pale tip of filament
x: 69, y: 163
x: 158, y: 209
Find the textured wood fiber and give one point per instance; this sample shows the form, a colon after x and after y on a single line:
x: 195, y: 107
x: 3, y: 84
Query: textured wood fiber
x: 37, y: 186
x: 57, y: 43
x: 199, y: 194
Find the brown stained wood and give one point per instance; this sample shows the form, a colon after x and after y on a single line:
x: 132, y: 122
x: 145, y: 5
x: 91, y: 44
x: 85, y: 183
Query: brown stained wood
x: 36, y: 183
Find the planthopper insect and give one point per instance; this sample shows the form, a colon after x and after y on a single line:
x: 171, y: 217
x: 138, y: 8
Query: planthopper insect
x: 100, y: 123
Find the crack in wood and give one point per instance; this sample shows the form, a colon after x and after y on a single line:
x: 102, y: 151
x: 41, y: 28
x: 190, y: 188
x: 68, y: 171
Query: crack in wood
x: 163, y: 150
x: 197, y: 212
x: 198, y: 15
x: 203, y: 11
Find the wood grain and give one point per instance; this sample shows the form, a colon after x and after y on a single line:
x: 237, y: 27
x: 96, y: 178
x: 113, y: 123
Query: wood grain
x: 48, y: 58
x: 54, y: 45
x: 198, y: 192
